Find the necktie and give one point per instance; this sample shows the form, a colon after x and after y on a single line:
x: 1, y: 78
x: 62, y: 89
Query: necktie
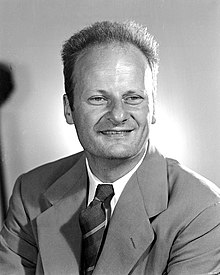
x: 94, y: 222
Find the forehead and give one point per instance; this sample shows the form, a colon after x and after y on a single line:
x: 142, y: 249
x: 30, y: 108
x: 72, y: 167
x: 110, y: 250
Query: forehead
x: 113, y: 59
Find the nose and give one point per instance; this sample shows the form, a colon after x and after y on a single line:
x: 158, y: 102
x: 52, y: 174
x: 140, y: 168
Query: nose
x: 118, y: 113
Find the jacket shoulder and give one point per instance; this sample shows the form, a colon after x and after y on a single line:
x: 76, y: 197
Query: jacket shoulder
x: 40, y: 178
x: 189, y: 189
x: 30, y: 186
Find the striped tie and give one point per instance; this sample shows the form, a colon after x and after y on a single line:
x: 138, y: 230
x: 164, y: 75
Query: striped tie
x: 94, y: 222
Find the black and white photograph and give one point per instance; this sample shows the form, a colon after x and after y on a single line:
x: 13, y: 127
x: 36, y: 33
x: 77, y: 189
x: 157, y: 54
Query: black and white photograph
x: 109, y: 137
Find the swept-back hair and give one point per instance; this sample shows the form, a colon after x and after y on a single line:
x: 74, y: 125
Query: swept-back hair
x: 107, y: 32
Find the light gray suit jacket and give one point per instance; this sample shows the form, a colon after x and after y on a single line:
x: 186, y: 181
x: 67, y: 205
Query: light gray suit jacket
x: 167, y: 221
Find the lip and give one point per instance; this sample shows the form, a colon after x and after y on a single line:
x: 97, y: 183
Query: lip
x: 116, y: 133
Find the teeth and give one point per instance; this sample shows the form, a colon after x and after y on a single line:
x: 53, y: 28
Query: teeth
x: 115, y: 132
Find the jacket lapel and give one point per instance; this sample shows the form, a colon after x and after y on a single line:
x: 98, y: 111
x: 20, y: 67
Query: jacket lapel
x: 152, y: 179
x: 59, y: 233
x: 130, y: 234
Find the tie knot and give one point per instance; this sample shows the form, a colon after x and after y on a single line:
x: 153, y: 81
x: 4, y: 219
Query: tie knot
x: 104, y: 191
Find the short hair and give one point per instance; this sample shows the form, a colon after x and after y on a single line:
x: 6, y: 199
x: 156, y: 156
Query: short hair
x: 102, y: 33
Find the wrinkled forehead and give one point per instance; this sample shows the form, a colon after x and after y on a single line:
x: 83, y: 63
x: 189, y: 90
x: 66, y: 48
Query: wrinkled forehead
x: 111, y: 57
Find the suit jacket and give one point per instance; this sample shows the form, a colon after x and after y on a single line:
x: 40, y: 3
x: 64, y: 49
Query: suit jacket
x: 167, y: 221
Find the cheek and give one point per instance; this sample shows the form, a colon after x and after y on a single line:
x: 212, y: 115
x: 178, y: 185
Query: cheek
x: 142, y: 114
x: 85, y: 120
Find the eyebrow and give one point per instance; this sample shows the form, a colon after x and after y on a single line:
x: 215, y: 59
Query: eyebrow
x: 135, y: 91
x: 106, y: 93
x: 126, y: 92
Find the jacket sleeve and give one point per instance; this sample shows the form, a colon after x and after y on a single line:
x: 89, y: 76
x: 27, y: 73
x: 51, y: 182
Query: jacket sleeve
x: 196, y: 249
x: 18, y: 249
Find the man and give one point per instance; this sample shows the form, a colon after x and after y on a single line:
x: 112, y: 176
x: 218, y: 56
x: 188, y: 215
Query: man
x: 160, y: 218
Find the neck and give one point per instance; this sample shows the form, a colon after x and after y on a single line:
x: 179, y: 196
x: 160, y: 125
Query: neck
x: 110, y: 170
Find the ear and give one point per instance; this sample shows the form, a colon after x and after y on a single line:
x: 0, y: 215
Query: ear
x: 67, y: 110
x: 153, y: 120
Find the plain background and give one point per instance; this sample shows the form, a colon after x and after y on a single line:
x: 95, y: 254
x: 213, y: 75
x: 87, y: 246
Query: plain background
x: 33, y: 128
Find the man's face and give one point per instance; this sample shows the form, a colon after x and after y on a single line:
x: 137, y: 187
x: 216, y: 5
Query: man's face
x: 113, y: 105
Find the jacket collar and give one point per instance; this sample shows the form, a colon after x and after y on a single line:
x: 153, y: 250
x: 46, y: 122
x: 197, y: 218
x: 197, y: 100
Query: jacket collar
x: 63, y: 185
x: 153, y: 185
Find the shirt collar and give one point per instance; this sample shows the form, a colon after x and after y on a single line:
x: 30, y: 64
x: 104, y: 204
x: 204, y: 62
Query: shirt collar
x: 118, y: 185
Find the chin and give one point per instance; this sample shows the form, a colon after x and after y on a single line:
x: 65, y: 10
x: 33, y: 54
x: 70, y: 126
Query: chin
x: 114, y: 151
x: 120, y: 153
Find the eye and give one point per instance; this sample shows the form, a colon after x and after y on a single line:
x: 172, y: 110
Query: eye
x: 97, y: 100
x: 133, y: 99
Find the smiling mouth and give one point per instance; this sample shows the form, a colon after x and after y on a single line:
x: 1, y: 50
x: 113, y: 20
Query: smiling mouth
x: 116, y: 132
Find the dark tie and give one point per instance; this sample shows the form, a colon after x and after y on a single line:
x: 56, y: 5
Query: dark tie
x: 94, y: 222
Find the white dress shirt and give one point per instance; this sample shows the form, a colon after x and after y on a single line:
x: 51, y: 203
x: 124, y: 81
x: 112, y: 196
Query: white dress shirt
x: 118, y: 185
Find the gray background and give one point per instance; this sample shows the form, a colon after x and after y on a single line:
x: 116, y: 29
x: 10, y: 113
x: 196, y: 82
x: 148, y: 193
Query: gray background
x: 33, y: 129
